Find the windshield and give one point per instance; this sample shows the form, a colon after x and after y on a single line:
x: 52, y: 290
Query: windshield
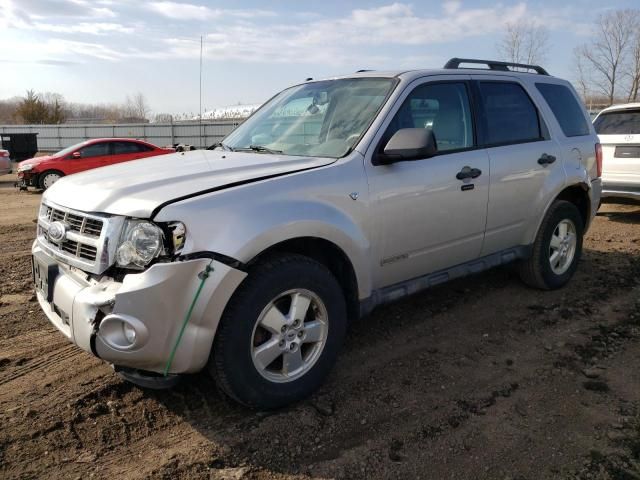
x: 320, y: 119
x: 68, y: 150
x: 623, y: 122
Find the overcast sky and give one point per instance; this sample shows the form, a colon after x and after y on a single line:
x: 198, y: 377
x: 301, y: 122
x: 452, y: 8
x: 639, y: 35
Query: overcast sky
x: 102, y: 50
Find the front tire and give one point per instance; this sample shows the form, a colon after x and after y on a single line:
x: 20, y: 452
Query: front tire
x: 280, y: 333
x: 557, y: 248
x: 48, y: 178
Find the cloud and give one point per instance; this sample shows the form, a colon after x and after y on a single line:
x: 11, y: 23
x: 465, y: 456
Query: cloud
x: 347, y: 40
x: 37, y: 9
x: 84, y: 27
x: 52, y: 62
x: 370, y: 37
x: 23, y: 14
x: 188, y: 11
x: 56, y: 50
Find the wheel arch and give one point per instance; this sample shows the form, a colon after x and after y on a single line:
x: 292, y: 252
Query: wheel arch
x: 327, y: 253
x: 578, y: 194
x: 42, y: 174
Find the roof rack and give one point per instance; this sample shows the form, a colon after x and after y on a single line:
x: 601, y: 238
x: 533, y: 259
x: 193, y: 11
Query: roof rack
x: 495, y: 65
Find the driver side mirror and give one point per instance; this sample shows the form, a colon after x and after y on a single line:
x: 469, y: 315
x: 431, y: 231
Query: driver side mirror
x: 408, y: 144
x: 76, y: 155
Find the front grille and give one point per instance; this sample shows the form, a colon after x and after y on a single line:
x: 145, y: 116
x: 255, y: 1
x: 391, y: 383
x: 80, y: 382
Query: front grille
x: 77, y: 249
x: 75, y: 222
x: 86, y: 243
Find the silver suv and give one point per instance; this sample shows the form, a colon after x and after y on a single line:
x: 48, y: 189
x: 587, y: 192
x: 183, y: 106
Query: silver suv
x: 249, y: 258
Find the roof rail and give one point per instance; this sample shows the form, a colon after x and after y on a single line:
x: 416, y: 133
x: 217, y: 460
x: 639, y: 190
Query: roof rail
x: 495, y: 65
x: 364, y: 70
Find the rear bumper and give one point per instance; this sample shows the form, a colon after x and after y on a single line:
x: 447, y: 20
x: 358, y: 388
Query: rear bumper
x: 93, y: 313
x: 617, y: 190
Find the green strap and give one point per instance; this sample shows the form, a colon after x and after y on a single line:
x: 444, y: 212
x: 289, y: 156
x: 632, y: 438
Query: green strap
x: 203, y: 278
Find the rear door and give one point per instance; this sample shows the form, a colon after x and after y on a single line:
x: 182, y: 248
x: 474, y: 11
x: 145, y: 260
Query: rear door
x: 525, y: 161
x: 619, y: 133
x: 124, y: 151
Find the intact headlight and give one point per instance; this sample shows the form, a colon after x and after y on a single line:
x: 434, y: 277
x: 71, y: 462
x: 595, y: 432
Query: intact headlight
x: 141, y: 242
x: 25, y: 168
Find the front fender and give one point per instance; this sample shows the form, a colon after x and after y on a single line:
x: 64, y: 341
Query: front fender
x: 316, y: 221
x: 245, y: 221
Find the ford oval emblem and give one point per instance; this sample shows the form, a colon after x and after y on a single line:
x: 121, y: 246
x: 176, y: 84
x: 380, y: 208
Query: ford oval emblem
x: 57, y: 232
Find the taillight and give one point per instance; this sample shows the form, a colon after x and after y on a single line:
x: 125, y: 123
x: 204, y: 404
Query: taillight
x: 4, y: 153
x: 599, y: 159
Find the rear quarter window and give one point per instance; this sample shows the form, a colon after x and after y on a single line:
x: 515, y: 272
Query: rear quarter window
x: 565, y: 108
x: 620, y: 122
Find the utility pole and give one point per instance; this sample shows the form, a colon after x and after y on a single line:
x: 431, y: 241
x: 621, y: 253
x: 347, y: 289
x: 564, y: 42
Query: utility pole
x: 200, y: 116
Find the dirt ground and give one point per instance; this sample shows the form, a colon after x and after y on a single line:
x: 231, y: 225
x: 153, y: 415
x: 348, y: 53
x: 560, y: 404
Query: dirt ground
x: 479, y: 378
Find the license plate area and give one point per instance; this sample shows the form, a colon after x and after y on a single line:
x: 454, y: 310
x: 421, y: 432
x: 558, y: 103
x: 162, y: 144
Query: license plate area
x: 45, y: 271
x: 627, y: 151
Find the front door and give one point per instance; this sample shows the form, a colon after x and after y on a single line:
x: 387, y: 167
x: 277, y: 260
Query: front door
x: 425, y: 217
x: 91, y: 156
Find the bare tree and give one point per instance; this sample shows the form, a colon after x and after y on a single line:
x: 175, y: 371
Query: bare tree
x: 634, y: 65
x: 136, y: 106
x: 583, y: 79
x: 606, y: 53
x: 524, y: 42
x: 163, y: 118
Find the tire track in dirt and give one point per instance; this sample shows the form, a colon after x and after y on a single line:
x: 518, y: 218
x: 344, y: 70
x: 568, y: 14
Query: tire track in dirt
x: 42, y: 364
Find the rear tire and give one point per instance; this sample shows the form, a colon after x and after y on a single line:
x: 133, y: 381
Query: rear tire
x: 280, y: 334
x: 48, y: 178
x: 557, y: 248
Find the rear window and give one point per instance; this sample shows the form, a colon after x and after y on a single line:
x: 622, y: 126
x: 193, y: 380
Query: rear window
x: 622, y: 122
x: 566, y: 109
x: 511, y: 116
x: 129, y: 147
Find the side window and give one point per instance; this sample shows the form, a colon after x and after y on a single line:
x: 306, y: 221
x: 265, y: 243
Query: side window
x: 442, y: 107
x: 120, y: 148
x: 566, y: 109
x: 509, y: 113
x: 95, y: 150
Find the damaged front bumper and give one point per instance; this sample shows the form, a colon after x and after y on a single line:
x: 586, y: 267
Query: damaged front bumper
x: 136, y: 323
x: 27, y: 179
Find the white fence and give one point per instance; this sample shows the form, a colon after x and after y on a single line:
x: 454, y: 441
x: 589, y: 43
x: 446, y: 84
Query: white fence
x: 52, y: 138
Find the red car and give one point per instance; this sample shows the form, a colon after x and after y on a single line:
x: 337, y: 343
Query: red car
x: 42, y: 172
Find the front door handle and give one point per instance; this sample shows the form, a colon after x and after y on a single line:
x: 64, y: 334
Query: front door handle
x: 546, y: 159
x: 468, y: 172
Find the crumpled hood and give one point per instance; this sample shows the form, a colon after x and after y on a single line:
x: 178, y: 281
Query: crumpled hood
x: 136, y: 188
x: 35, y: 161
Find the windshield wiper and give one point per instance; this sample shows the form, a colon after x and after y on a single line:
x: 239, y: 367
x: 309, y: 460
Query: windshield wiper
x: 261, y: 148
x: 221, y: 145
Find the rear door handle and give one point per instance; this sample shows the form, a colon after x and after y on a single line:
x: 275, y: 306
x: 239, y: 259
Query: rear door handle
x: 468, y: 172
x: 546, y: 159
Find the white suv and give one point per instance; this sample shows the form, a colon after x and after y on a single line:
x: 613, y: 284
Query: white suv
x: 336, y: 196
x: 618, y: 128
